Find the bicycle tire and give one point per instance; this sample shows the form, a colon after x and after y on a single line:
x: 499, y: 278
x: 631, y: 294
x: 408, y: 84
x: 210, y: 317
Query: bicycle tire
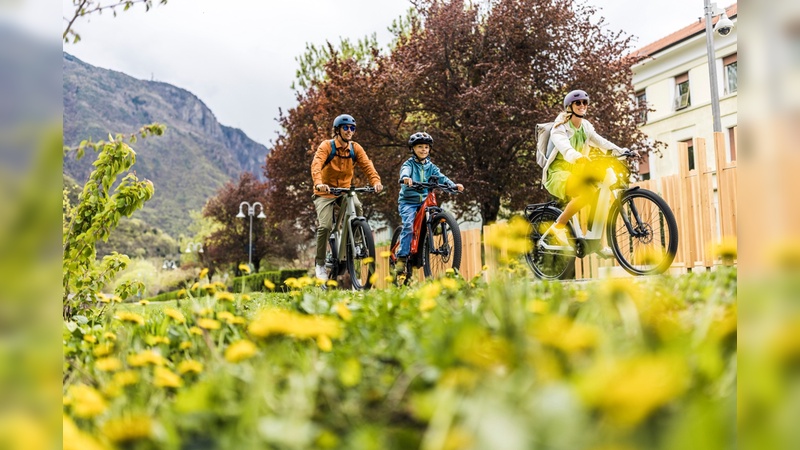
x: 549, y: 265
x: 635, y: 254
x: 362, y: 236
x: 434, y: 265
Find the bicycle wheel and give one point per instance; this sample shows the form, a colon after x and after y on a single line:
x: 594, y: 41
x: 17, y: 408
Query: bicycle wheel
x: 549, y: 264
x: 649, y: 247
x: 361, y: 265
x: 395, y: 240
x: 441, y: 249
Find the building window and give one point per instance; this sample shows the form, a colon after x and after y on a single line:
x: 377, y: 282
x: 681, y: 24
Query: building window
x: 732, y: 140
x: 644, y: 167
x: 641, y: 106
x: 690, y: 155
x: 731, y: 80
x: 682, y: 98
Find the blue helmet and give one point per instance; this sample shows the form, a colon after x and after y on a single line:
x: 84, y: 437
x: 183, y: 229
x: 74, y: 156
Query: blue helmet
x: 344, y: 119
x: 575, y: 95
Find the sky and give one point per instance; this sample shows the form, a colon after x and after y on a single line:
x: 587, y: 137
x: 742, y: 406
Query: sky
x: 238, y: 56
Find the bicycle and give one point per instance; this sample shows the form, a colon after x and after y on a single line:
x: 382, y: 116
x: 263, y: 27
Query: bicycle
x: 640, y: 228
x: 438, y: 232
x: 351, y: 246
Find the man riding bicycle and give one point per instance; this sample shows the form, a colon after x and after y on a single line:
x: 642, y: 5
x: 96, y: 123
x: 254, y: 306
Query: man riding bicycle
x: 333, y: 166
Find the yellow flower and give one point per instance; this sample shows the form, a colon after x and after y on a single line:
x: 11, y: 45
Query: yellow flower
x: 195, y: 286
x: 291, y: 282
x: 386, y: 254
x: 163, y: 377
x: 324, y: 343
x: 374, y: 278
x: 146, y: 357
x: 344, y: 312
x: 244, y: 268
x: 449, y: 283
x: 189, y: 365
x: 430, y: 291
x: 512, y: 237
x: 144, y: 302
x: 450, y: 271
x: 225, y: 297
x: 182, y: 293
x: 332, y: 283
x: 155, y: 340
x: 126, y: 378
x: 538, y: 307
x: 484, y: 268
x: 196, y: 331
x: 245, y: 298
x: 110, y: 335
x: 564, y: 334
x: 103, y: 349
x: 176, y: 315
x: 103, y: 299
x: 116, y: 299
x: 86, y: 402
x: 203, y: 273
x: 269, y: 285
x: 205, y: 312
x: 225, y: 315
x: 185, y: 345
x: 427, y: 304
x: 210, y: 289
x: 476, y: 346
x: 726, y: 249
x: 350, y: 372
x: 305, y: 281
x: 239, y: 351
x: 126, y: 316
x: 628, y: 391
x: 108, y: 364
x: 581, y: 296
x: 208, y: 324
x: 278, y: 321
x: 75, y: 439
x: 368, y: 260
x: 90, y: 338
x: 128, y: 429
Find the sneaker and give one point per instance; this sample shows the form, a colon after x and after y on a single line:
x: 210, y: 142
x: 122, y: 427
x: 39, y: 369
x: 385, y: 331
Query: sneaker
x: 321, y: 273
x: 559, y: 236
x: 606, y: 253
x: 400, y: 266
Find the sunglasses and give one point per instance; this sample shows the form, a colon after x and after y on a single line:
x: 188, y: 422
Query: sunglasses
x: 349, y: 127
x: 581, y: 102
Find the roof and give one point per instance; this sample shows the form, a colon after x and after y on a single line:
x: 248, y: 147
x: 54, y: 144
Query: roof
x: 681, y: 35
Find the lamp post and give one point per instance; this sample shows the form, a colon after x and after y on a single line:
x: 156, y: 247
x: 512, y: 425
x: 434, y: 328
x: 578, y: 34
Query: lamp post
x: 724, y: 27
x: 251, y: 210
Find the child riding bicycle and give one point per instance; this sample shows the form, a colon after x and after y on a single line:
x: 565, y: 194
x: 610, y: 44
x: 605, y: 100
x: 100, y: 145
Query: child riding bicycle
x: 418, y: 168
x: 333, y: 166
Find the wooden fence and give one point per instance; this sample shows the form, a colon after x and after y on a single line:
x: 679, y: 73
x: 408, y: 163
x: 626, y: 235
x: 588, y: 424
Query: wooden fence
x: 704, y: 217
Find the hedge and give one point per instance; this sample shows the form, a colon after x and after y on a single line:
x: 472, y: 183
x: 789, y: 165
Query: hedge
x: 255, y: 282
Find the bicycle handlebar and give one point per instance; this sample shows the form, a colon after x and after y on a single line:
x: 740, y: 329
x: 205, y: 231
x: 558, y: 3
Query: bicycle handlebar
x: 340, y: 191
x: 419, y: 186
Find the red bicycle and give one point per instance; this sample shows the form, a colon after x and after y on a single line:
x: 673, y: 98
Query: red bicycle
x: 437, y: 231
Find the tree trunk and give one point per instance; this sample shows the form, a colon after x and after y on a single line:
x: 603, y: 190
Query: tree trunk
x: 489, y: 210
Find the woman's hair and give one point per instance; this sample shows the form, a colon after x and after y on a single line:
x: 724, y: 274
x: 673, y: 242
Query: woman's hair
x: 563, y: 118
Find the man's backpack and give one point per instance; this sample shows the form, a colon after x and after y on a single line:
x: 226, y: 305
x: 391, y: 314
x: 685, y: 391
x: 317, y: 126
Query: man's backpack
x: 333, y: 153
x: 544, y: 145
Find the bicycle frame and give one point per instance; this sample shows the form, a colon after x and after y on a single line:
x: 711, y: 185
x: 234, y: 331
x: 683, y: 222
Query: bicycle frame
x: 429, y: 206
x: 343, y: 229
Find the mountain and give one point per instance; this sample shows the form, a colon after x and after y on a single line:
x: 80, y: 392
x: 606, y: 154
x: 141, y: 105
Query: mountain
x: 187, y: 164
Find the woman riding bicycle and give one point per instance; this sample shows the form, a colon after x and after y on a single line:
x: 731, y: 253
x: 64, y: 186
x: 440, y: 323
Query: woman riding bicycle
x: 333, y: 166
x: 569, y: 173
x: 418, y: 168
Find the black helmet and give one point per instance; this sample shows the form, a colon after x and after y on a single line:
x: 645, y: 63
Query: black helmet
x: 420, y: 137
x: 575, y: 95
x: 344, y: 119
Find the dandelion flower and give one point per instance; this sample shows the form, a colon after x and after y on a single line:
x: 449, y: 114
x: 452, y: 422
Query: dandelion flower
x: 144, y: 302
x: 344, y: 312
x: 538, y: 307
x: 155, y: 340
x: 176, y: 315
x: 182, y: 293
x: 210, y: 289
x: 485, y: 268
x: 203, y: 273
x: 128, y: 429
x: 185, y: 345
x: 269, y: 285
x: 75, y: 439
x: 208, y: 324
x: 386, y: 254
x: 427, y: 304
x: 388, y: 279
x: 103, y: 349
x: 189, y: 365
x: 110, y: 335
x: 374, y: 278
x: 163, y: 377
x: 90, y: 338
x: 126, y: 378
x: 324, y: 343
x: 225, y: 315
x: 196, y: 331
x: 132, y: 317
x: 450, y: 271
x: 225, y: 297
x: 277, y: 321
x: 244, y: 268
x: 86, y: 401
x: 449, y: 283
x: 108, y: 364
x: 332, y: 283
x: 368, y: 260
x: 240, y: 350
x: 146, y: 357
x: 245, y: 298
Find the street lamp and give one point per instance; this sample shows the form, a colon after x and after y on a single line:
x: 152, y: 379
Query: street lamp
x: 724, y: 28
x: 251, y: 210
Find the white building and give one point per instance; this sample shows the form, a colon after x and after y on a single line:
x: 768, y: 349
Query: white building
x: 673, y: 81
